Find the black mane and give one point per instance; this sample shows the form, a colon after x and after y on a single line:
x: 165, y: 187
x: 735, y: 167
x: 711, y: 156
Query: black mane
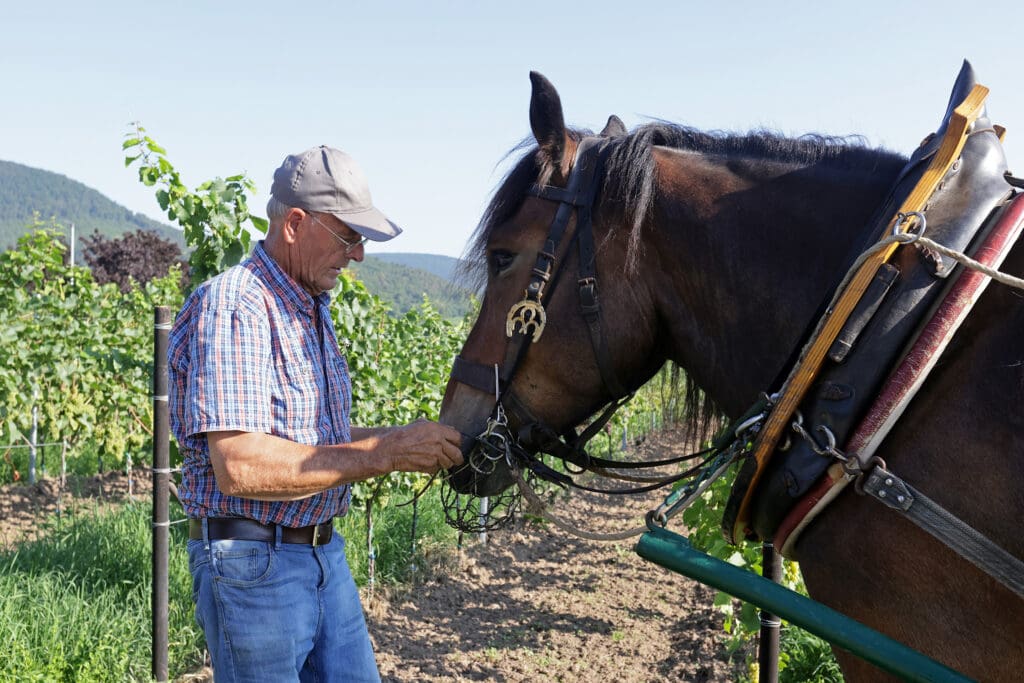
x: 628, y: 184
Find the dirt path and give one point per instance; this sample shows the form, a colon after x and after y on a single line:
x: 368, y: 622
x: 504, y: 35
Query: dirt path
x: 539, y: 605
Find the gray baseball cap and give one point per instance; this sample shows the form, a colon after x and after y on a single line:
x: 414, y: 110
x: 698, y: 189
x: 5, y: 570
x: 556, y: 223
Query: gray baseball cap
x: 327, y: 180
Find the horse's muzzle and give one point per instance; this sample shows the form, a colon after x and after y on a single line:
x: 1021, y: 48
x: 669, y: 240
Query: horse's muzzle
x: 482, y: 473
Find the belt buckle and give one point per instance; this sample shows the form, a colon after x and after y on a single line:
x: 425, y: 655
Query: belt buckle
x: 316, y: 535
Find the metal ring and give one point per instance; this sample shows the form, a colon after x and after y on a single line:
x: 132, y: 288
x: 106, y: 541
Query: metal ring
x: 747, y: 424
x: 902, y: 218
x: 478, y: 466
x: 830, y: 438
x: 830, y: 446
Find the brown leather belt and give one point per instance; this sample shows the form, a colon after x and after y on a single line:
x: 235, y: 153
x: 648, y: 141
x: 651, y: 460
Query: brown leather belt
x: 239, y: 529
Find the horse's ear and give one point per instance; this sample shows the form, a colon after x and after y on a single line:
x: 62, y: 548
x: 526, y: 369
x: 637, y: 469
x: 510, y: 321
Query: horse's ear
x: 614, y: 128
x: 547, y: 122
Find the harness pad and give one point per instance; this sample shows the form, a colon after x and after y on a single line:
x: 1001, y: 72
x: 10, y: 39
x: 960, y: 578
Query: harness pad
x: 887, y: 318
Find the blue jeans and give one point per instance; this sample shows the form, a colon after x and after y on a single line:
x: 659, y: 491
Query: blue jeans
x: 280, y: 612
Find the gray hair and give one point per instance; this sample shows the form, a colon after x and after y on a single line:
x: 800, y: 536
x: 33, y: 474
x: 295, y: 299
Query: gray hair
x: 276, y: 209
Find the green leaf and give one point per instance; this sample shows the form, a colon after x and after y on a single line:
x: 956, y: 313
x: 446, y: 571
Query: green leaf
x: 261, y: 224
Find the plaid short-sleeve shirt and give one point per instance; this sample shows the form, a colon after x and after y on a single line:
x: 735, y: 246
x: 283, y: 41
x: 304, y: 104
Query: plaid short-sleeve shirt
x: 253, y: 351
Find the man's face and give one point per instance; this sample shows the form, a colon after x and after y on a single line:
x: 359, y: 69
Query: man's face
x: 325, y: 246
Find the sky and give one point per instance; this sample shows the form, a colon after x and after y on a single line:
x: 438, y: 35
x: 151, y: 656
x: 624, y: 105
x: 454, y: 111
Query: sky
x: 429, y: 97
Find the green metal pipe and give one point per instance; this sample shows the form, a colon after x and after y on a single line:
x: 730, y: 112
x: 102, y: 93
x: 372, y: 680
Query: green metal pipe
x: 674, y: 552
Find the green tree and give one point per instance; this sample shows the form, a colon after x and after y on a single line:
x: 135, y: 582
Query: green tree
x: 213, y: 216
x: 399, y: 366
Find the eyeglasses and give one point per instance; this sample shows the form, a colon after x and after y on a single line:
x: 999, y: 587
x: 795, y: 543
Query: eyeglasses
x: 349, y: 245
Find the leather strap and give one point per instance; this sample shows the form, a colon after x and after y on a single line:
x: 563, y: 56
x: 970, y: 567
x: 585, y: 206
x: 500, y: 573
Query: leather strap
x: 885, y: 487
x: 590, y: 306
x: 239, y: 529
x: 905, y: 380
x: 580, y: 178
x: 476, y: 375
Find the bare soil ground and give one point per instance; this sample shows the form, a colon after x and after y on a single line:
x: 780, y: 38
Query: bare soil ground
x: 536, y: 604
x: 533, y: 603
x: 24, y: 508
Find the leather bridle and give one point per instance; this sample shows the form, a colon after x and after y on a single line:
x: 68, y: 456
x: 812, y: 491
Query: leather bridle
x: 525, y: 323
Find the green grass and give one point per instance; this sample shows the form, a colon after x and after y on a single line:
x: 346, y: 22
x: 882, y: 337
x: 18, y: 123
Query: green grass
x: 803, y: 658
x: 75, y: 604
x: 396, y: 559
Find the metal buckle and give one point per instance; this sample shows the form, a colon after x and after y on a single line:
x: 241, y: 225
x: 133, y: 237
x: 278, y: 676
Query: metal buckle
x: 316, y: 535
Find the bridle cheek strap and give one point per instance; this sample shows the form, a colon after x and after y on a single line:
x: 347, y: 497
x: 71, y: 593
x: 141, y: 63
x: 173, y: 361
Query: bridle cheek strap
x: 590, y: 306
x: 525, y: 321
x: 580, y: 194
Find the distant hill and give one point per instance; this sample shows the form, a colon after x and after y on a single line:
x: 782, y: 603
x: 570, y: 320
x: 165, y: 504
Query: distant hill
x: 404, y: 286
x: 24, y: 190
x: 442, y: 266
x: 400, y: 279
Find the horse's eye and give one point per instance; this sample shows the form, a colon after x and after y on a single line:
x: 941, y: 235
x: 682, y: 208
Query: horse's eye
x: 500, y: 261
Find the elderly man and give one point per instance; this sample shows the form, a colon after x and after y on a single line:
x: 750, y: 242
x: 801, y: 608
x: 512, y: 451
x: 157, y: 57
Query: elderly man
x: 260, y: 399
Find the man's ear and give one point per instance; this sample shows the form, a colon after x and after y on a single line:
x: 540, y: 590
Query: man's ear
x: 290, y: 225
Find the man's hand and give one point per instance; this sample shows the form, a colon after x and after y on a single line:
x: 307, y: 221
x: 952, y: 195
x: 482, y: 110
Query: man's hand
x: 422, y: 446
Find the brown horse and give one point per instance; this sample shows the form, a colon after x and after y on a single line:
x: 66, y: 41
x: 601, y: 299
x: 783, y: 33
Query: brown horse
x: 715, y: 251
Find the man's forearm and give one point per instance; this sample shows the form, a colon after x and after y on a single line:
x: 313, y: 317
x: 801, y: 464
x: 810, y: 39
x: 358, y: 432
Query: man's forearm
x: 359, y: 433
x: 267, y: 467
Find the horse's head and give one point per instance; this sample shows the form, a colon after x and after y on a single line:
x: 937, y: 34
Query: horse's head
x: 566, y: 325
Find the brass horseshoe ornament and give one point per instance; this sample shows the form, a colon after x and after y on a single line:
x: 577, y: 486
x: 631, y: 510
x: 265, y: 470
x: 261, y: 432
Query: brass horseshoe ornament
x: 526, y: 317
